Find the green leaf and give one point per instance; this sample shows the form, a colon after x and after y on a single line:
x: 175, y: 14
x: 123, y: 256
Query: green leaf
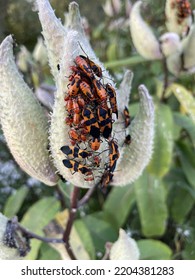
x: 150, y: 197
x: 187, y: 159
x: 186, y: 123
x: 163, y: 141
x: 85, y: 236
x: 15, y: 201
x: 46, y: 252
x: 185, y: 98
x: 101, y: 232
x: 124, y: 199
x: 36, y: 218
x: 111, y: 52
x: 154, y: 250
x: 181, y: 203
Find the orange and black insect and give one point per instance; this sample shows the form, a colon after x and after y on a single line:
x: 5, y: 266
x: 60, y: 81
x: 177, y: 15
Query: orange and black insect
x: 106, y: 179
x: 113, y: 155
x: 126, y: 117
x: 69, y: 120
x: 94, y: 143
x: 87, y: 90
x: 74, y: 135
x: 105, y: 121
x: 91, y: 123
x: 112, y: 98
x: 84, y: 66
x: 75, y: 152
x: 94, y: 67
x: 75, y: 166
x: 69, y: 105
x: 73, y: 87
x: 100, y: 90
x: 80, y: 101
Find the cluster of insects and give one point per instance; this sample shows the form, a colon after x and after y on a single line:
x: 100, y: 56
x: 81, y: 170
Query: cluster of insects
x: 90, y: 105
x: 183, y: 9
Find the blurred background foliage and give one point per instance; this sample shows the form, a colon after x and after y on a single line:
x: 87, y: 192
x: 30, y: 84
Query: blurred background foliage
x: 158, y: 210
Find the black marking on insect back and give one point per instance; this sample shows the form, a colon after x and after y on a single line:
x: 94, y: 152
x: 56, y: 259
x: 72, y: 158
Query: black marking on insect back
x: 66, y: 150
x: 67, y: 163
x: 107, y: 132
x: 94, y: 131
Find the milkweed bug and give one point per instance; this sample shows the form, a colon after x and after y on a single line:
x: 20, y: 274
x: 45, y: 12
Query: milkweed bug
x: 112, y: 98
x: 126, y: 117
x: 94, y: 67
x: 91, y: 123
x: 94, y: 143
x: 80, y: 101
x: 76, y: 118
x: 74, y: 135
x: 73, y: 87
x: 106, y: 179
x: 113, y: 155
x: 100, y: 90
x: 75, y: 152
x: 69, y: 105
x: 84, y: 66
x: 105, y: 121
x: 75, y: 106
x: 69, y: 120
x: 86, y: 90
x: 76, y: 166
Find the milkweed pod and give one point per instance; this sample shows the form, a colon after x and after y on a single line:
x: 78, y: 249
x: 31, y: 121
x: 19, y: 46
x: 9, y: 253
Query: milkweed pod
x: 23, y: 121
x: 125, y: 248
x: 142, y: 35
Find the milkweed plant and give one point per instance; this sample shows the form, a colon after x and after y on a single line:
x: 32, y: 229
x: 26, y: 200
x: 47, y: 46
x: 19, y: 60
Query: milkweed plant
x: 82, y: 135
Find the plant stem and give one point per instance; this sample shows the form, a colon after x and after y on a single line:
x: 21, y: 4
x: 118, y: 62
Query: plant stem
x: 73, y: 210
x: 27, y: 233
x: 130, y: 61
x: 86, y: 197
x: 166, y: 82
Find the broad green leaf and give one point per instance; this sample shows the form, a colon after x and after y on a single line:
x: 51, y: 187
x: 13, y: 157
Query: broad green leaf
x: 187, y: 159
x: 124, y: 199
x: 85, y: 236
x: 36, y: 218
x: 46, y: 252
x: 15, y: 201
x: 181, y: 203
x: 185, y: 98
x: 186, y: 123
x: 101, y: 232
x: 150, y: 197
x: 153, y: 250
x: 163, y: 141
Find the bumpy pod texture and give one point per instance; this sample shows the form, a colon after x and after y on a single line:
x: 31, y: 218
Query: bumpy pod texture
x: 125, y: 248
x: 136, y: 156
x: 6, y: 253
x: 143, y: 37
x: 24, y: 124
